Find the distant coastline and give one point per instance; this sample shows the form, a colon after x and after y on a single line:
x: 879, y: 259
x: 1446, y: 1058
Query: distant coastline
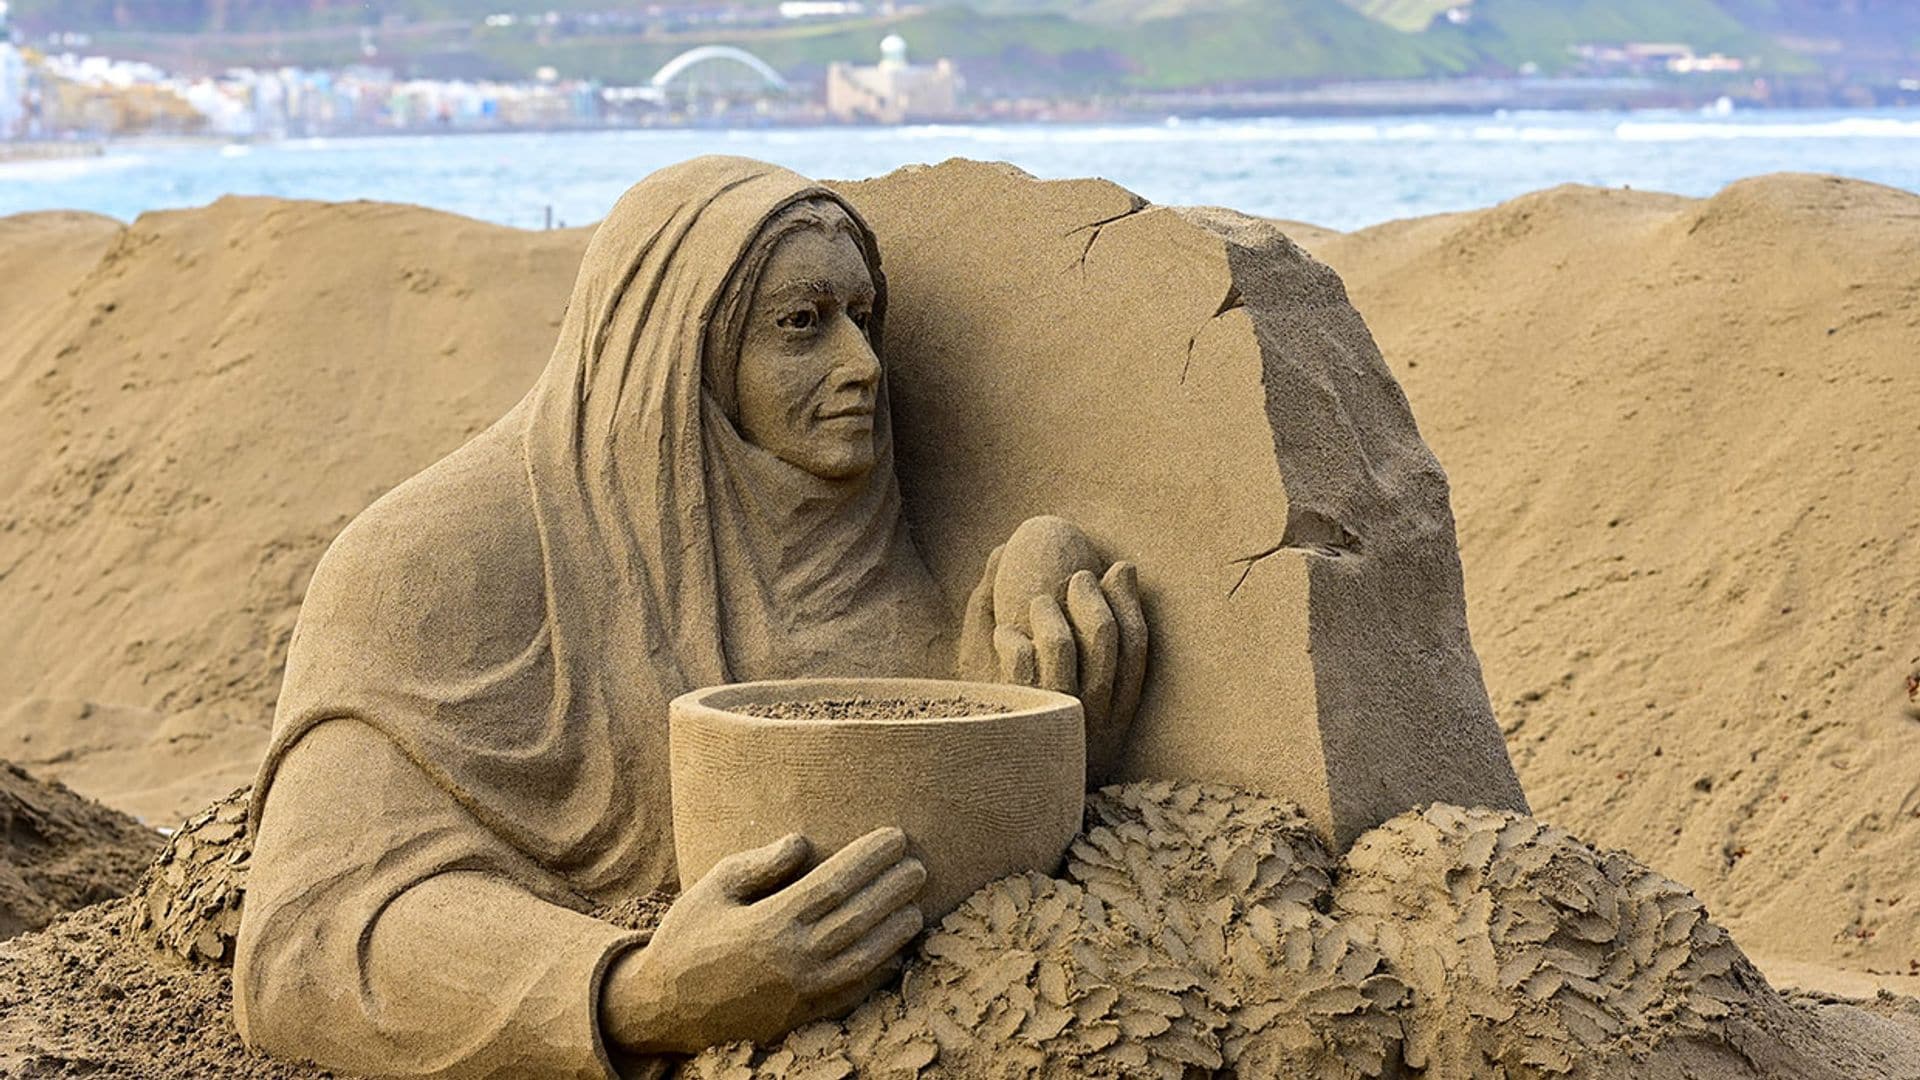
x: 1375, y: 99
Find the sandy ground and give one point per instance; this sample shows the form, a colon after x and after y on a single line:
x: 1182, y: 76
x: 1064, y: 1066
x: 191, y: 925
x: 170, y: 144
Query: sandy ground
x: 1680, y: 433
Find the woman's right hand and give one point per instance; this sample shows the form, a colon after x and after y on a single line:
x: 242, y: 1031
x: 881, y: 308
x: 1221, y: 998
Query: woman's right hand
x: 748, y: 952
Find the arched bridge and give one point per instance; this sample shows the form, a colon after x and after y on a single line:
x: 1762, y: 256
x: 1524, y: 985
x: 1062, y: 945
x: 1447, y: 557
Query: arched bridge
x: 703, y: 54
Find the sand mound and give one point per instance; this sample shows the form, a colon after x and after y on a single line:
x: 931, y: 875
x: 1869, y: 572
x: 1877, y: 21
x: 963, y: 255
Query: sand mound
x: 217, y: 392
x: 1684, y: 453
x: 1679, y: 431
x: 1195, y: 929
x: 59, y: 851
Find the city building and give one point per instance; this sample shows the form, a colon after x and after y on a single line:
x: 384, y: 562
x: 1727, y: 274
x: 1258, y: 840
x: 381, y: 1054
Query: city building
x: 893, y: 91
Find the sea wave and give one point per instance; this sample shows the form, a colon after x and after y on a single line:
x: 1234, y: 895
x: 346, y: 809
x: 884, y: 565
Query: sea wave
x: 1858, y: 127
x: 1343, y: 172
x: 70, y: 168
x: 1581, y: 131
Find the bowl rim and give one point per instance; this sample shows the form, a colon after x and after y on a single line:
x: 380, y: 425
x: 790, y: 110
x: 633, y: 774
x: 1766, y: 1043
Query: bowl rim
x: 1036, y: 702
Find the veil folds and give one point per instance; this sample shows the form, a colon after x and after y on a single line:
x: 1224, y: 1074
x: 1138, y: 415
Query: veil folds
x: 517, y: 617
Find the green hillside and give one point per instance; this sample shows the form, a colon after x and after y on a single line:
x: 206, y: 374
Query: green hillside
x: 998, y: 52
x: 1407, y: 16
x: 1516, y: 32
x: 1003, y: 45
x: 1276, y: 40
x: 1238, y: 42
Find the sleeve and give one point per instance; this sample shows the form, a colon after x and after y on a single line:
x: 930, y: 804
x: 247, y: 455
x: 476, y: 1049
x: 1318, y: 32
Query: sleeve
x: 387, y: 932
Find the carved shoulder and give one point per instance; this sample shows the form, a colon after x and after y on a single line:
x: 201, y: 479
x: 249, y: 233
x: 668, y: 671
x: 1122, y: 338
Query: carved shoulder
x: 447, y: 565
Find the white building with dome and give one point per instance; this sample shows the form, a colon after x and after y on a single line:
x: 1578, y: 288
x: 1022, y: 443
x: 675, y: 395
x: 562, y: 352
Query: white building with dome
x: 893, y: 91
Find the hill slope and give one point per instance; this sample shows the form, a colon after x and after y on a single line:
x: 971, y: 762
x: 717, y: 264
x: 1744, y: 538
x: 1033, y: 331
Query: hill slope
x: 59, y: 852
x: 1686, y: 468
x: 1003, y: 45
x: 214, y: 393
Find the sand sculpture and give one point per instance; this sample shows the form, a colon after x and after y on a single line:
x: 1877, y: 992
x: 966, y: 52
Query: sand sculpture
x: 469, y: 754
x: 148, y: 365
x: 699, y: 489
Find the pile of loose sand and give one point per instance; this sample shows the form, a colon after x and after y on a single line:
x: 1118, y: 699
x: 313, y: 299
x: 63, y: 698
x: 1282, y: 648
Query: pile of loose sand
x: 1680, y: 434
x: 1686, y: 467
x: 190, y: 409
x: 84, y: 999
x: 1194, y: 929
x: 59, y: 851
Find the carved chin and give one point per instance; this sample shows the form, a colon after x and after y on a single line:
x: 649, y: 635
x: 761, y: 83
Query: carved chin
x: 842, y: 455
x: 849, y: 466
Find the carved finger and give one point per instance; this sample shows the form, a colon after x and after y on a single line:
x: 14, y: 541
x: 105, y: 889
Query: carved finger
x: 868, y: 908
x: 841, y: 1002
x: 1017, y: 662
x: 868, y: 955
x: 1122, y: 588
x: 1054, y: 651
x: 1098, y: 636
x: 746, y: 876
x: 976, y: 630
x: 846, y: 872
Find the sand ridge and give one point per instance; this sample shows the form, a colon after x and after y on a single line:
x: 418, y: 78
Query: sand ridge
x: 59, y: 851
x: 1687, y: 480
x: 143, y: 412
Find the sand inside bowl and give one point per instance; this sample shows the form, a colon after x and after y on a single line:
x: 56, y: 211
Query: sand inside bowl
x: 871, y: 708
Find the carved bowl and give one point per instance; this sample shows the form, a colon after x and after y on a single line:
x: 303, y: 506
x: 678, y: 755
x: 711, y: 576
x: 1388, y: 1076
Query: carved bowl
x: 994, y: 792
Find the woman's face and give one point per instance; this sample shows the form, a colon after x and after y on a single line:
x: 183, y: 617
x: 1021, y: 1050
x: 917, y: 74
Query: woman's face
x: 808, y: 382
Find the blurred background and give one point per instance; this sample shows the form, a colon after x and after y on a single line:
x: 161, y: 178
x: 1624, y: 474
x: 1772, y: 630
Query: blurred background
x: 1340, y: 112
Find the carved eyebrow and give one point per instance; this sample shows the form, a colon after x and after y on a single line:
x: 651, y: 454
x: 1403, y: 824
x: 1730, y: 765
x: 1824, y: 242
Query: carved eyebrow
x: 809, y: 286
x: 823, y: 287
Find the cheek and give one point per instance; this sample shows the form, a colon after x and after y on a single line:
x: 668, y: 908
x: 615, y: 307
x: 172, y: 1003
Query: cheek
x: 774, y: 385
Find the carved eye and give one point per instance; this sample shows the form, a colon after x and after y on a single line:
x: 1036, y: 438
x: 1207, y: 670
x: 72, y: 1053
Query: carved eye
x: 860, y: 318
x: 799, y: 319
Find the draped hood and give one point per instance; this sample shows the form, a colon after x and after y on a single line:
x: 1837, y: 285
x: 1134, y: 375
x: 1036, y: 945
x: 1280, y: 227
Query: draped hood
x: 517, y: 617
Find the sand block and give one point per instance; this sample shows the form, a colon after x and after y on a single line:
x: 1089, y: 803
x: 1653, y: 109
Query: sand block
x: 1198, y: 394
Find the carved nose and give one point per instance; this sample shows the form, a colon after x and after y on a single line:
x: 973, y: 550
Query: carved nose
x: 858, y: 366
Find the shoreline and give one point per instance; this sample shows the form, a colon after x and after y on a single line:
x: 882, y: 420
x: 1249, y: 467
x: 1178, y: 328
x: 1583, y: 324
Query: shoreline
x: 12, y: 152
x: 1758, y: 119
x: 1378, y: 102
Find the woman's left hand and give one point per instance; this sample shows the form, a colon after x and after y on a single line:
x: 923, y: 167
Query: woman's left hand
x: 1093, y: 647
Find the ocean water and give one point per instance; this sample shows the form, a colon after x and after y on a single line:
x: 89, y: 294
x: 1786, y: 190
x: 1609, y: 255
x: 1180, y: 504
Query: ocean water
x: 1341, y: 173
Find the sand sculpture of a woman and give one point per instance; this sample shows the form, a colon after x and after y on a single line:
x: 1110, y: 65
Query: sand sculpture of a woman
x: 470, y: 748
